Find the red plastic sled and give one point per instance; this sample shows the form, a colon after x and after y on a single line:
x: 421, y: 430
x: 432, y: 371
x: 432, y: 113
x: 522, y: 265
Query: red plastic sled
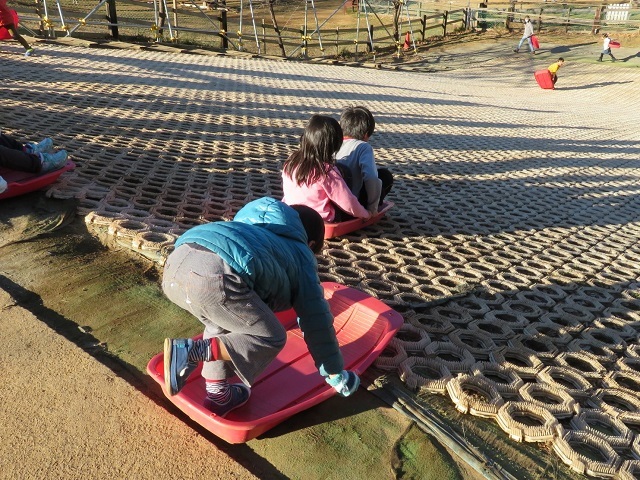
x: 543, y: 77
x: 613, y: 44
x: 364, y: 325
x: 535, y: 42
x: 4, y: 33
x: 20, y: 183
x: 342, y: 228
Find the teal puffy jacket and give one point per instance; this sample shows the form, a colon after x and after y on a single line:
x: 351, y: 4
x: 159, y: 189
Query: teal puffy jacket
x: 266, y: 245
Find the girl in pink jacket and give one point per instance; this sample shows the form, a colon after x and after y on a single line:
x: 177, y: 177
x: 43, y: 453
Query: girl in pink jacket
x: 310, y: 176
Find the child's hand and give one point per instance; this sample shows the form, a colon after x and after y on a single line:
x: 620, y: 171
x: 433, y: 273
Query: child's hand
x: 345, y: 383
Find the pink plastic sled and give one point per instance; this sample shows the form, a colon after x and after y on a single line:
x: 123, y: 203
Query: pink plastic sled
x: 364, y: 325
x: 20, y: 183
x: 342, y: 228
x: 613, y: 44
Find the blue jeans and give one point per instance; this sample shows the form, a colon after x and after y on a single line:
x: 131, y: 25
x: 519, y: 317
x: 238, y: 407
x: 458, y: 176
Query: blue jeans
x: 522, y: 41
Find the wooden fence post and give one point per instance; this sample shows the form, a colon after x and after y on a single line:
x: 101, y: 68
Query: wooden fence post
x: 445, y: 15
x: 275, y: 27
x: 540, y: 20
x: 566, y: 28
x: 113, y: 18
x: 224, y: 40
x: 596, y: 19
x: 370, y: 39
x: 509, y: 20
x: 423, y: 21
x: 337, y: 42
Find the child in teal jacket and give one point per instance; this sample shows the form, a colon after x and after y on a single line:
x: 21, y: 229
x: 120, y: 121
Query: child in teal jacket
x: 232, y: 276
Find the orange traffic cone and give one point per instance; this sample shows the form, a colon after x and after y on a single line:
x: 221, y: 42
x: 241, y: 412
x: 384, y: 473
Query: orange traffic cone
x: 407, y: 42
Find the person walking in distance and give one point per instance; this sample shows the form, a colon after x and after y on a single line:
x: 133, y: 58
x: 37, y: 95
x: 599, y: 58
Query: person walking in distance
x: 606, y: 48
x: 526, y: 35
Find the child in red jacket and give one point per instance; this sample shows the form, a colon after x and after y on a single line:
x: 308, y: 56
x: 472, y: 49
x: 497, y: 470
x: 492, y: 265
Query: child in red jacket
x: 7, y: 21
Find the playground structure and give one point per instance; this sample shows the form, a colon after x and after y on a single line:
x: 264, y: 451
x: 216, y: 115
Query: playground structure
x: 307, y: 28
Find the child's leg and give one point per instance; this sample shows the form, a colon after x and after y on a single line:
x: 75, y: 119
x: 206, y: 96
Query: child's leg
x: 10, y: 142
x: 199, y: 281
x: 14, y: 33
x: 387, y: 182
x: 531, y: 45
x: 19, y: 160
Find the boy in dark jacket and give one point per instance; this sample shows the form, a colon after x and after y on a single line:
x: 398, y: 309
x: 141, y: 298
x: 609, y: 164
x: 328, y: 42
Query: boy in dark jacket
x: 232, y: 276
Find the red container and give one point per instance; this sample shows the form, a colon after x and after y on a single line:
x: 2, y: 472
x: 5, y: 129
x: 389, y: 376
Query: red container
x: 20, y: 183
x: 535, y: 42
x: 543, y: 77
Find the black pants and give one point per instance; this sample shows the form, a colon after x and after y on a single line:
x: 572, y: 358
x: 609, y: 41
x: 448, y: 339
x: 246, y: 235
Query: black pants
x: 13, y: 156
x: 14, y: 33
x: 385, y: 176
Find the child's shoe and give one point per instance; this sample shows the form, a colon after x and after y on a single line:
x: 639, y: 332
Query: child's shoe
x: 3, y: 185
x: 29, y: 52
x: 240, y: 394
x: 517, y: 50
x: 53, y: 161
x: 181, y: 357
x: 44, y: 146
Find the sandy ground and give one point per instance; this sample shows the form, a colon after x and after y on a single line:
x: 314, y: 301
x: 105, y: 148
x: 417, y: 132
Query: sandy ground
x: 66, y: 415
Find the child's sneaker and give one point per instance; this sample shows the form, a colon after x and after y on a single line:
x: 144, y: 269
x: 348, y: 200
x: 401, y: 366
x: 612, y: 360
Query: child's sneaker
x: 3, y: 185
x: 29, y: 52
x: 177, y: 366
x: 53, y: 161
x: 44, y: 146
x: 240, y: 394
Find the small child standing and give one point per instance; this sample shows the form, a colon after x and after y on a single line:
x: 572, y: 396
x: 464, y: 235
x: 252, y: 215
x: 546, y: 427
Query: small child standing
x: 310, y: 176
x: 7, y: 21
x: 606, y: 47
x: 29, y: 157
x: 553, y: 69
x: 356, y: 162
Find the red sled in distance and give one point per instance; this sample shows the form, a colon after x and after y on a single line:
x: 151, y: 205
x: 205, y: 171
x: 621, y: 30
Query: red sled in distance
x: 534, y: 42
x: 543, y: 77
x: 291, y: 383
x: 4, y: 33
x: 613, y: 44
x: 342, y: 228
x: 20, y: 183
